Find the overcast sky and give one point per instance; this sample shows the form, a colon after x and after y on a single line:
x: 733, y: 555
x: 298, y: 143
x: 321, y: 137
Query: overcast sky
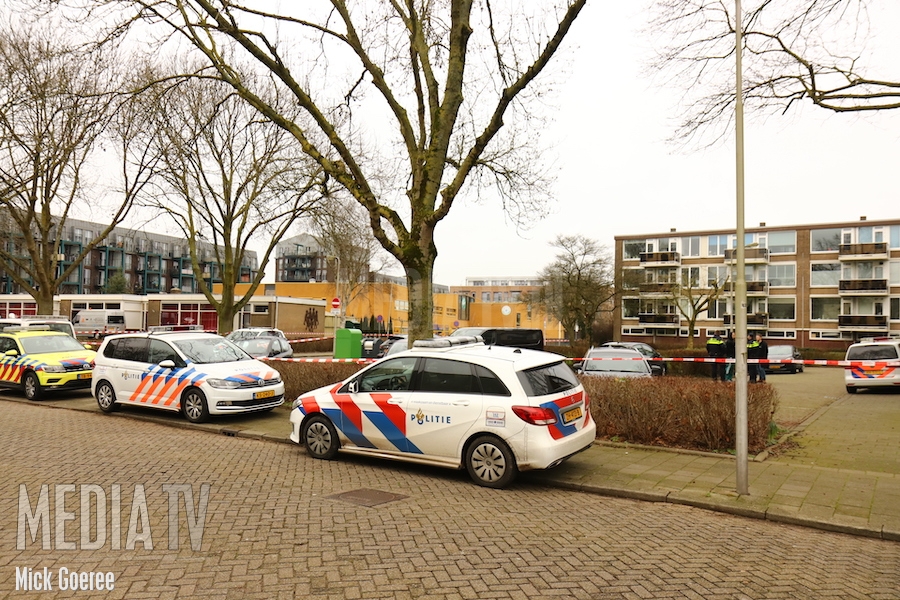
x: 618, y: 176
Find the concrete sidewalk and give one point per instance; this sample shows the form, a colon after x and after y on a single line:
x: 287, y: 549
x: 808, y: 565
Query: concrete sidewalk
x: 838, y: 469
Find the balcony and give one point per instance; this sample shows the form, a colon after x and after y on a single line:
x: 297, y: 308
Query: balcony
x: 658, y: 319
x: 754, y: 288
x: 756, y: 256
x: 863, y: 287
x: 863, y: 322
x: 756, y: 319
x: 870, y: 251
x: 657, y: 288
x: 660, y: 258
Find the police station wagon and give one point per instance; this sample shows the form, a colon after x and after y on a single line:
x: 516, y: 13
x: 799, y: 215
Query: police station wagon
x: 874, y: 363
x: 453, y: 402
x: 199, y: 374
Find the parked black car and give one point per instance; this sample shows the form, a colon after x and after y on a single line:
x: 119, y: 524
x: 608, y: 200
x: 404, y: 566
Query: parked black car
x: 519, y: 337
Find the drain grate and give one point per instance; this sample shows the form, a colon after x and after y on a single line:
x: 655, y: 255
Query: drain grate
x: 367, y: 497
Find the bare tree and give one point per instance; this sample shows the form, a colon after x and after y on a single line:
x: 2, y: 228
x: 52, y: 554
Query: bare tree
x: 408, y: 101
x: 794, y: 51
x: 57, y: 106
x: 692, y: 297
x: 231, y: 179
x: 342, y: 232
x: 577, y: 284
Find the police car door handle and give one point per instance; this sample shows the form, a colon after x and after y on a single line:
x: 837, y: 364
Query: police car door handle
x: 460, y: 403
x: 395, y: 401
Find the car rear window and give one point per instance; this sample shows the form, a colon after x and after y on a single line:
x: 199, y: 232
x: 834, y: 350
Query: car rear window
x: 548, y: 379
x: 873, y: 352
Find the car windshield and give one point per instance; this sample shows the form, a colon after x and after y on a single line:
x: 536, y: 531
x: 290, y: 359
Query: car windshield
x: 468, y: 331
x: 785, y: 351
x: 873, y: 352
x: 45, y: 344
x: 615, y: 362
x: 548, y: 379
x: 259, y: 346
x: 210, y: 350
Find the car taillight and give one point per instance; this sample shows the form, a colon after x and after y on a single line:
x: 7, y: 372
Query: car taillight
x: 536, y: 415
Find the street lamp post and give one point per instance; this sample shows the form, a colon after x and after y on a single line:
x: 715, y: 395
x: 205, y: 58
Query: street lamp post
x: 740, y: 345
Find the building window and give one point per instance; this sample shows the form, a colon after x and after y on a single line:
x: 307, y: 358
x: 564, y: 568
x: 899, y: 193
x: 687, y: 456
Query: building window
x: 781, y: 308
x: 717, y: 245
x: 632, y: 249
x: 895, y: 236
x: 895, y: 309
x: 825, y: 309
x: 782, y: 242
x: 631, y: 307
x: 716, y: 276
x: 690, y: 246
x: 824, y: 240
x: 717, y: 309
x: 825, y: 274
x: 485, y: 296
x: 781, y: 275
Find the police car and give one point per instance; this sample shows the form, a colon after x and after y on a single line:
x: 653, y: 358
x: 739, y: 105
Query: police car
x: 197, y: 373
x: 453, y: 402
x: 38, y: 359
x: 875, y: 363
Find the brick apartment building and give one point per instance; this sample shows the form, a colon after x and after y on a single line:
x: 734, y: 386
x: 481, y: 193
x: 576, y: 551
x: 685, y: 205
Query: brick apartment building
x: 823, y: 285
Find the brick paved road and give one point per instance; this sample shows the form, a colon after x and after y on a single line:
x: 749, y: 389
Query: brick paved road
x: 273, y: 529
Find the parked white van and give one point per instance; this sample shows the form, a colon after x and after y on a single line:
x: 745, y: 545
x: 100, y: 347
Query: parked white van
x: 91, y: 320
x: 879, y: 365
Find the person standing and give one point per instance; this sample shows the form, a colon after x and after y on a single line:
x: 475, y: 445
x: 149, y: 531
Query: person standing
x: 752, y: 352
x: 715, y: 347
x: 730, y: 352
x: 762, y: 351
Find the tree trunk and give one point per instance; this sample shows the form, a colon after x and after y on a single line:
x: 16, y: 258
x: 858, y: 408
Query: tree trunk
x: 44, y: 299
x: 419, y: 278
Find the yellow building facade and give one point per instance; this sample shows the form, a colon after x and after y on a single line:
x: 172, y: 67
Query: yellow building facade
x: 388, y: 303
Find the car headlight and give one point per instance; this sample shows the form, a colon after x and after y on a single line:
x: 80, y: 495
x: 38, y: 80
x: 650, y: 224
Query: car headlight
x: 54, y: 369
x: 295, y: 403
x: 223, y: 384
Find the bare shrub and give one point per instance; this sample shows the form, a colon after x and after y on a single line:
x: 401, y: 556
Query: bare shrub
x: 302, y: 377
x: 685, y: 412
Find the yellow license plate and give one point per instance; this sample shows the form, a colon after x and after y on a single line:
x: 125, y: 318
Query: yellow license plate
x: 571, y: 415
x: 266, y: 394
x: 84, y: 376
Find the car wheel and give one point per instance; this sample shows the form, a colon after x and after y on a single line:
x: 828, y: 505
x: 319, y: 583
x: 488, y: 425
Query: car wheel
x: 32, y: 387
x: 106, y: 397
x: 851, y: 390
x: 320, y: 438
x: 193, y: 405
x: 490, y: 462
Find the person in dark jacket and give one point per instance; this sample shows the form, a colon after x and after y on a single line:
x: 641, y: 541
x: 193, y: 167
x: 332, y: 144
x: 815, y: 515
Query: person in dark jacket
x: 730, y: 352
x: 715, y: 347
x: 762, y: 352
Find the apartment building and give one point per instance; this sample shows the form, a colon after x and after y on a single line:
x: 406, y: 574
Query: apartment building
x: 821, y: 285
x: 150, y: 263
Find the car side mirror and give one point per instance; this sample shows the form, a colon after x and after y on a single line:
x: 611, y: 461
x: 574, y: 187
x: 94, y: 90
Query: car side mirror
x: 167, y: 364
x: 12, y: 352
x: 656, y: 370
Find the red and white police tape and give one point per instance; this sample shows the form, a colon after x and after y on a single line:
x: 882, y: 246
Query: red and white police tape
x: 763, y: 361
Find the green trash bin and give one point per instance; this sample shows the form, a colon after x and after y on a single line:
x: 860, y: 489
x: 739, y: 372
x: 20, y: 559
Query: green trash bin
x: 348, y: 343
